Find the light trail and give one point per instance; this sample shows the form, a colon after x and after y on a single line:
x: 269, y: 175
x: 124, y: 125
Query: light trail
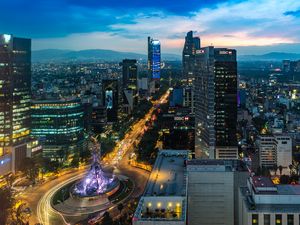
x: 44, y: 208
x: 127, y: 142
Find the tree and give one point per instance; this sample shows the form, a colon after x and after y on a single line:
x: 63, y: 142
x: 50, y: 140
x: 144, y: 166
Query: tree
x: 259, y: 123
x: 10, y: 180
x: 120, y: 207
x: 75, y: 161
x: 265, y: 172
x: 107, y: 220
x: 6, y: 199
x: 275, y: 168
x: 31, y: 170
x: 284, y: 179
x: 61, y: 155
x: 84, y: 155
x: 291, y: 167
x: 280, y: 169
x: 20, y: 214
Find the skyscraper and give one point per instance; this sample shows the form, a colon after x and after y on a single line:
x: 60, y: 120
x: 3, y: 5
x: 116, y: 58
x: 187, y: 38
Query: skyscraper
x: 191, y: 45
x: 129, y: 74
x: 154, y: 58
x: 129, y: 78
x: 15, y: 94
x: 216, y: 103
x: 59, y: 126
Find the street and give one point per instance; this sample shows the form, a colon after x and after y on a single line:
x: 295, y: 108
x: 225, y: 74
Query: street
x: 39, y: 197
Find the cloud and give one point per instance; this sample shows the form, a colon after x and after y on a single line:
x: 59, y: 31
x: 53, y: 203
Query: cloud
x: 246, y: 23
x: 229, y: 23
x: 293, y: 13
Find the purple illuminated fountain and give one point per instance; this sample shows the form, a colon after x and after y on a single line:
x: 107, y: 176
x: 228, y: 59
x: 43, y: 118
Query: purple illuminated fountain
x: 96, y: 182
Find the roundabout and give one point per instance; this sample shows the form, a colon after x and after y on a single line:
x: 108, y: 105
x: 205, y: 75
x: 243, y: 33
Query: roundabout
x: 95, y: 190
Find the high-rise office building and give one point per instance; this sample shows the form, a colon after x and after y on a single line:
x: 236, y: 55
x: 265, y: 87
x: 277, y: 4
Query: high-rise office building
x: 188, y: 98
x: 191, y: 45
x: 216, y: 103
x: 59, y: 126
x: 15, y: 94
x: 110, y: 96
x: 154, y: 58
x: 129, y: 85
x: 129, y: 74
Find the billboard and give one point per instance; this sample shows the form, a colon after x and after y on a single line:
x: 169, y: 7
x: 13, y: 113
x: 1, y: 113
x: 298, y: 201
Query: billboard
x: 109, y: 99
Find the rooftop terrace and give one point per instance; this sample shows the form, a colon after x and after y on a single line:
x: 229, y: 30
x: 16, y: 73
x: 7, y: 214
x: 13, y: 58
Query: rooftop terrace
x: 168, y: 177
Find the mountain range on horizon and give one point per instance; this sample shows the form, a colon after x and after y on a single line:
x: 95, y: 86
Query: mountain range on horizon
x: 58, y: 55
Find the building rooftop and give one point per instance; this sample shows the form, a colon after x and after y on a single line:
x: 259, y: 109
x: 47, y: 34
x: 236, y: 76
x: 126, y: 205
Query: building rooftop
x: 288, y: 189
x: 274, y: 205
x: 164, y: 198
x: 217, y: 165
x: 168, y: 176
x: 259, y: 181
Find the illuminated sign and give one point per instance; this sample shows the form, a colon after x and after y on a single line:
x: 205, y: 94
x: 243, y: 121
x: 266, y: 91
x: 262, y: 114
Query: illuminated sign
x: 155, y: 42
x: 7, y: 38
x: 38, y: 148
x: 4, y: 161
x: 181, y: 118
x: 225, y: 52
x: 201, y: 51
x: 109, y: 99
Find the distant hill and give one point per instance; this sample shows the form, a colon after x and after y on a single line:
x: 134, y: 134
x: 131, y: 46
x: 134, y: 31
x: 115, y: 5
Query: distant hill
x: 57, y: 55
x: 272, y: 56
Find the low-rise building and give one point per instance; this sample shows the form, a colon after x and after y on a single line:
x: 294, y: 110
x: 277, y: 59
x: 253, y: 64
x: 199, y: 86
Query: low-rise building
x: 275, y: 150
x: 262, y: 202
x: 213, y: 191
x: 164, y: 201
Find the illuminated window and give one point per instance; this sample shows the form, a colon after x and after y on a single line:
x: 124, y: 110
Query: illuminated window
x: 254, y: 219
x: 278, y: 219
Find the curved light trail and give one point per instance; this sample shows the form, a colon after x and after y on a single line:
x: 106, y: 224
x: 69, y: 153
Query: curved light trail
x: 44, y: 208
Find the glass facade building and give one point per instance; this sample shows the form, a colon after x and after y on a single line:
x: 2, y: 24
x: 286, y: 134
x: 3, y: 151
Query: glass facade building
x: 129, y: 74
x: 58, y: 125
x: 154, y: 58
x: 216, y: 102
x: 15, y: 94
x: 188, y: 55
x: 129, y: 84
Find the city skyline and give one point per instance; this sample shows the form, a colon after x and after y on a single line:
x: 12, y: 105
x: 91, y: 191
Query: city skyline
x: 154, y: 112
x: 110, y: 25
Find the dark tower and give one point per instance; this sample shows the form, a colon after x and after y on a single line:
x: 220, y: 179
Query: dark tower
x: 129, y: 73
x: 191, y: 45
x: 216, y: 102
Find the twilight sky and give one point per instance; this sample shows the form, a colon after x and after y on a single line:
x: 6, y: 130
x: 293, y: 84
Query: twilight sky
x: 251, y: 26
